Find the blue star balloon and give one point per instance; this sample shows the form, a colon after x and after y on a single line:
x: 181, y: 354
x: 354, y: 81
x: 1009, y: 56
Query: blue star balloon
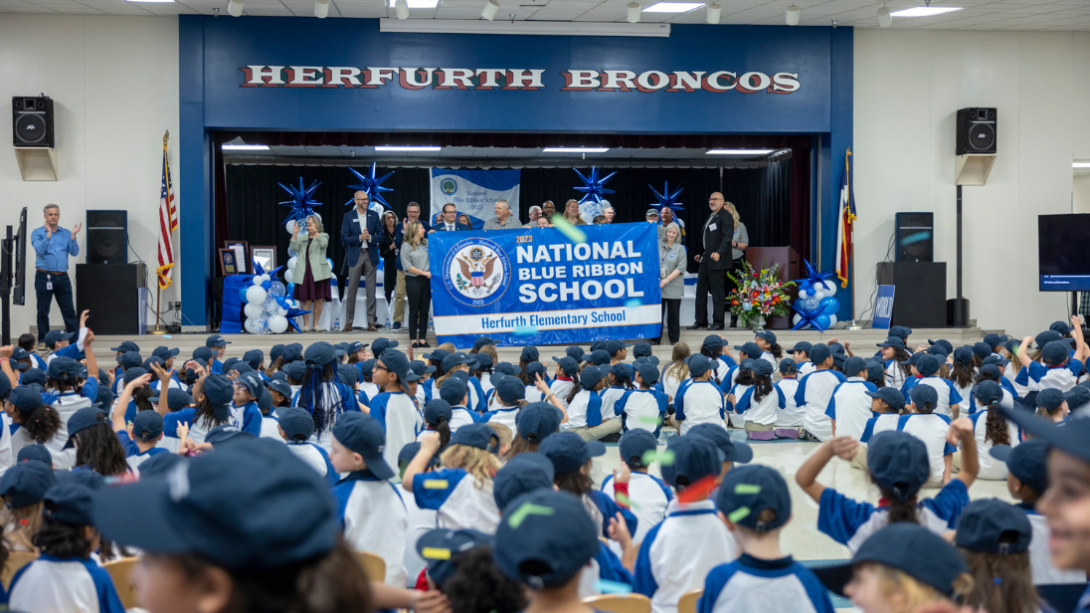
x: 292, y: 314
x: 666, y: 198
x: 371, y: 185
x: 808, y: 318
x: 593, y: 186
x: 301, y: 204
x: 813, y: 277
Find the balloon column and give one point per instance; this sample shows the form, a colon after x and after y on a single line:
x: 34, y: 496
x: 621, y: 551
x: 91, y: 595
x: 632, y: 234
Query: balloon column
x: 269, y: 307
x: 816, y: 305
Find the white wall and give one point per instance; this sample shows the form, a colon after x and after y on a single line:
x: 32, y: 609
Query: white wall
x: 1080, y: 202
x: 908, y: 87
x: 114, y: 83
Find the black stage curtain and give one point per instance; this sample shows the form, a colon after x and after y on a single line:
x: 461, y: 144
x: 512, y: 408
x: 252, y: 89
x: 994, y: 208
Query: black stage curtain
x: 763, y: 197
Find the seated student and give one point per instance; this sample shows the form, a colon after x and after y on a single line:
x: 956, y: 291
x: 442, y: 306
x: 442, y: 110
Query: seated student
x: 946, y: 397
x: 280, y: 394
x: 461, y: 502
x: 97, y: 447
x: 509, y: 394
x: 350, y: 377
x: 885, y: 401
x: 65, y: 578
x: 619, y: 382
x: 1051, y: 405
x: 38, y: 422
x: 296, y: 372
x: 1056, y: 369
x: 895, y: 355
x: 760, y: 404
x: 460, y: 563
x: 991, y: 429
x: 462, y: 362
x: 244, y: 412
x: 897, y: 463
x: 755, y: 505
x: 850, y: 406
x: 437, y: 416
x: 991, y: 373
x: 746, y: 352
x: 424, y: 371
x: 721, y: 362
x: 677, y: 554
x: 370, y: 508
x: 395, y: 409
x: 800, y: 354
x: 929, y: 427
x: 900, y: 568
x: 617, y: 350
x: 455, y: 392
x: 585, y: 408
x: 962, y: 372
x: 643, y: 408
x: 141, y: 438
x: 676, y: 371
x: 534, y: 371
x: 647, y: 496
x: 572, y: 459
x: 994, y: 536
x: 771, y: 352
x: 140, y: 397
x: 420, y: 520
x: 566, y: 379
x: 367, y: 373
x: 1027, y: 481
x: 535, y: 422
x: 814, y: 392
x: 23, y: 489
x: 699, y: 400
x: 296, y: 426
x: 729, y: 451
x: 73, y: 392
x: 789, y: 418
x: 212, y: 396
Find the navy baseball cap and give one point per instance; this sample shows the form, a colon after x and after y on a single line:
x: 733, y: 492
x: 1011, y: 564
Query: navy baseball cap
x: 37, y: 453
x: 1027, y: 461
x: 441, y: 547
x: 963, y: 355
x: 747, y: 491
x: 362, y: 434
x: 216, y: 340
x: 380, y: 345
x: 26, y: 483
x: 600, y: 357
x: 907, y: 547
x: 509, y: 389
x: 614, y: 345
x: 750, y: 349
x: 53, y: 336
x: 912, y: 359
x: 620, y: 370
x: 1060, y: 326
x: 891, y: 396
x: 164, y: 353
x: 767, y: 335
x: 988, y: 393
x: 535, y: 368
x: 219, y: 390
x: 422, y: 368
x: 855, y: 365
x: 698, y: 364
x: 147, y: 425
x: 642, y: 348
x: 252, y: 382
x: 567, y: 364
x: 574, y: 351
x: 599, y: 344
x: 224, y: 506
x: 158, y: 361
x: 70, y: 503
x: 1077, y: 397
x: 523, y: 473
x: 544, y: 539
x: 633, y: 446
x: 1055, y: 352
x: 837, y: 348
x: 232, y: 363
x: 1046, y: 337
x: 348, y: 374
x: 5, y: 388
x: 319, y: 354
x: 939, y: 351
x: 927, y: 364
x: 276, y: 351
x: 876, y: 371
x: 436, y: 355
x: 788, y: 366
x: 453, y: 391
x: 991, y: 372
x: 893, y: 341
x: 732, y: 452
x: 354, y: 347
x: 898, y: 462
x: 26, y: 398
x: 202, y: 354
x: 649, y: 373
x: 483, y: 361
x: 714, y: 342
x: 253, y: 357
x: 456, y: 359
x: 995, y: 360
x: 435, y: 409
x: 296, y: 422
x: 296, y: 370
x: 264, y: 401
x: 819, y: 353
x: 537, y: 421
x: 530, y: 354
x: 838, y: 358
x: 922, y: 395
x: 990, y: 525
x: 506, y: 368
x: 461, y: 375
x: 902, y: 332
x: 83, y: 419
x: 126, y: 346
x: 31, y: 375
x: 1050, y: 399
x: 480, y: 436
x: 278, y: 386
x: 568, y: 451
x: 64, y: 369
x: 802, y: 346
x: 226, y: 434
x: 694, y: 457
x: 993, y: 340
x: 130, y: 359
x: 482, y: 341
x: 409, y: 451
x: 398, y: 363
x: 763, y: 368
x: 981, y: 350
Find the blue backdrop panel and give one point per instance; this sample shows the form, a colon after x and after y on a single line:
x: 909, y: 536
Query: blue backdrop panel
x: 539, y: 287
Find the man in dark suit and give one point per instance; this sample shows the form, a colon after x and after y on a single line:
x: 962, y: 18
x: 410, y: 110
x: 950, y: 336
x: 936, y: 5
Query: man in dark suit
x: 448, y: 221
x: 716, y: 242
x: 361, y: 226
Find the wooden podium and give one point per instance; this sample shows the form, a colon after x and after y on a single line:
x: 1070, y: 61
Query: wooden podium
x: 762, y: 257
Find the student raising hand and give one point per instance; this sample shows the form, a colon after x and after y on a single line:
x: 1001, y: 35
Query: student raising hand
x: 961, y: 433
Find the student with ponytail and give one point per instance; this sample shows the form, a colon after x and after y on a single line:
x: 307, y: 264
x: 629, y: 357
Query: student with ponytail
x: 38, y: 422
x: 760, y: 405
x: 993, y: 537
x: 395, y: 409
x: 895, y: 355
x: 566, y: 380
x: 585, y: 415
x: 990, y: 429
x: 961, y: 375
x: 212, y: 395
x: 324, y: 395
x: 72, y: 394
x: 437, y: 414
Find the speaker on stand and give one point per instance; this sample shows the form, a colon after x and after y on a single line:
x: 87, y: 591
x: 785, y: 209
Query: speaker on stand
x: 107, y: 237
x: 975, y: 150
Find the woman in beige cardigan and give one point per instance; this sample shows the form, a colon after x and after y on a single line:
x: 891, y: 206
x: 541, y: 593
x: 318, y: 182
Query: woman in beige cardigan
x: 312, y: 273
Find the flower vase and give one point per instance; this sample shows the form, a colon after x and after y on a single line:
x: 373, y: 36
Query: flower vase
x: 759, y: 324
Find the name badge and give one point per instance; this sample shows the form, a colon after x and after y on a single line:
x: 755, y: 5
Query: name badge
x: 671, y: 256
x: 713, y: 226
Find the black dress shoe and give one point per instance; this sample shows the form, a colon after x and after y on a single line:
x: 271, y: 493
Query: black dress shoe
x: 656, y: 342
x: 719, y: 327
x: 696, y: 327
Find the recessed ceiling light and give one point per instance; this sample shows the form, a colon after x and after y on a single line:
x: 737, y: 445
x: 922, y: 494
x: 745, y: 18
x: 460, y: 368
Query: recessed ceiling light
x: 245, y: 147
x: 1080, y: 165
x: 406, y: 149
x: 575, y: 149
x: 673, y: 7
x: 418, y: 4
x: 738, y: 151
x: 925, y: 11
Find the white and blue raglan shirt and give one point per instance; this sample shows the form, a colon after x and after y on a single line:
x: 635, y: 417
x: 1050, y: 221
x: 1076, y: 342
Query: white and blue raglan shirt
x: 790, y: 416
x: 66, y: 405
x: 198, y: 427
x: 502, y: 415
x: 460, y: 500
x: 609, y: 396
x: 723, y: 365
x: 944, y: 388
x: 1006, y: 401
x: 533, y: 394
x: 814, y: 392
x: 246, y: 418
x: 771, y: 359
x: 63, y: 584
x: 769, y: 586
x: 850, y: 406
x: 1036, y: 376
x: 764, y: 411
x: 1040, y: 558
x: 316, y: 458
x: 133, y: 456
x: 270, y: 426
x: 850, y: 522
x: 991, y: 469
x: 374, y: 518
x: 562, y: 386
x: 584, y: 411
x: 7, y: 452
x: 649, y: 495
x: 370, y: 389
x: 805, y: 368
x: 642, y: 409
x: 895, y: 375
x: 332, y: 398
x: 931, y: 428
x: 402, y: 421
x: 1021, y: 389
x: 476, y: 395
x: 462, y: 416
x: 678, y: 553
x: 699, y: 402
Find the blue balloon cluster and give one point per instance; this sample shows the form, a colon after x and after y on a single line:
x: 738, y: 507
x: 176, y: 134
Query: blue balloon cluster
x: 816, y: 305
x: 269, y: 307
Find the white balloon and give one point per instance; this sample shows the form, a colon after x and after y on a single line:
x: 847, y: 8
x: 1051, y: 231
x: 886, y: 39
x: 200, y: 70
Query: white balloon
x: 291, y: 263
x: 251, y: 326
x: 278, y: 324
x: 832, y: 320
x: 819, y: 293
x: 253, y: 310
x: 292, y: 253
x: 795, y: 320
x: 290, y: 226
x: 830, y: 287
x: 256, y: 295
x: 803, y: 293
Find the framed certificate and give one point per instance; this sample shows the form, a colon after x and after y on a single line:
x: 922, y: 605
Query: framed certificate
x: 242, y: 250
x: 265, y: 255
x: 228, y: 261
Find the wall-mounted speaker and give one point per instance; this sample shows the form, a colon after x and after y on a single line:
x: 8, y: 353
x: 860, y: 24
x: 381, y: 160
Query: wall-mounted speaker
x: 976, y: 131
x: 915, y: 237
x: 32, y: 121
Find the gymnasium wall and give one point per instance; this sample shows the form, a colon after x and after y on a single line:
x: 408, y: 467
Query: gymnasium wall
x: 114, y: 83
x: 908, y: 87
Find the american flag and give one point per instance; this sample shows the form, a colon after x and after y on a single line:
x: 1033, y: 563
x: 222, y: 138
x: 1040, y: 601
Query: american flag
x: 168, y: 223
x: 844, y: 223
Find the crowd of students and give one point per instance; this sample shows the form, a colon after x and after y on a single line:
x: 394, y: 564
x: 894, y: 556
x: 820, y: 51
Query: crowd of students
x: 249, y: 483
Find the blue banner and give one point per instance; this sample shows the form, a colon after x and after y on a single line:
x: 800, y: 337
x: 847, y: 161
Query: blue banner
x: 474, y: 192
x: 883, y: 307
x: 539, y: 287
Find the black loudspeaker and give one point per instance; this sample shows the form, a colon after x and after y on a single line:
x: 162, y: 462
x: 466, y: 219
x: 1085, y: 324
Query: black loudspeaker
x: 32, y: 121
x: 976, y: 131
x: 107, y: 237
x: 920, y: 298
x: 915, y: 237
x: 112, y: 293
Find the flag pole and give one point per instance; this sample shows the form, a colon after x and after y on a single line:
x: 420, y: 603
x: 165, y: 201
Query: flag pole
x: 158, y: 291
x: 851, y: 240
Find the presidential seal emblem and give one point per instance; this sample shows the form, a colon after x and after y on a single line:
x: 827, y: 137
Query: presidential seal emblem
x: 477, y: 272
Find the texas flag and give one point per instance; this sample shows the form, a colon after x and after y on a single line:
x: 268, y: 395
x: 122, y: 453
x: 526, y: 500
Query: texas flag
x: 844, y: 223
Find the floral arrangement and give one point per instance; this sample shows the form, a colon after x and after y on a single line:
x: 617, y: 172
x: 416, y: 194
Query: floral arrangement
x: 758, y: 295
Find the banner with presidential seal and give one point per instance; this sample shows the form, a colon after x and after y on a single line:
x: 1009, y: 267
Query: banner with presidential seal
x: 474, y: 192
x: 542, y: 286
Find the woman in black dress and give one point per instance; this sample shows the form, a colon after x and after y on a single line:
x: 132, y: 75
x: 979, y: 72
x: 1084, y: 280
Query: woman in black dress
x: 388, y: 251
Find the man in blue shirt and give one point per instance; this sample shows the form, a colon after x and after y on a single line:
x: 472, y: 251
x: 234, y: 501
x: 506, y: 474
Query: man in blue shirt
x: 53, y: 244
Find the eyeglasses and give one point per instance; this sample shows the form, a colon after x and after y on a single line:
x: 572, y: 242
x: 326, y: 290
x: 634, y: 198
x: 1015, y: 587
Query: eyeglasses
x: 380, y: 367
